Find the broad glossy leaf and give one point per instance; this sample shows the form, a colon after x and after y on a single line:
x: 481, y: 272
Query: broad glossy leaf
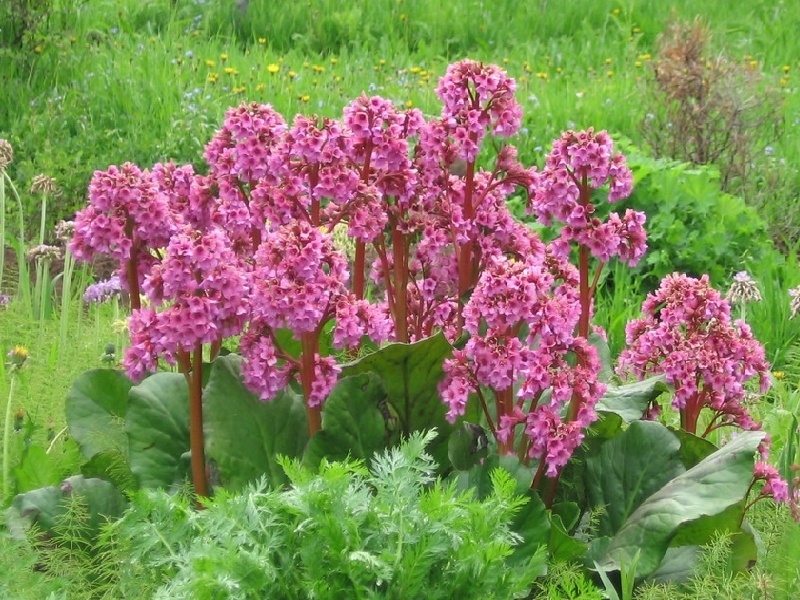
x: 533, y: 523
x: 411, y: 374
x: 46, y: 506
x: 244, y: 436
x: 630, y: 400
x: 720, y: 481
x: 95, y: 408
x: 157, y: 425
x: 693, y: 447
x: 628, y: 469
x: 353, y: 422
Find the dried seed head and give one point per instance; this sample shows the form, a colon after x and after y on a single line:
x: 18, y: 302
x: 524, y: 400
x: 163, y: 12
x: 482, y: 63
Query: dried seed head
x: 44, y: 184
x: 6, y: 154
x: 743, y: 289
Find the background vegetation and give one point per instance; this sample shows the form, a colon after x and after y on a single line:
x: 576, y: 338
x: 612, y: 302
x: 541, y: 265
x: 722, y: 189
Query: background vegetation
x: 90, y: 83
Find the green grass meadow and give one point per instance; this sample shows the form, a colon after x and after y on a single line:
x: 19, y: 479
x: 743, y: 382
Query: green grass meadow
x: 102, y: 82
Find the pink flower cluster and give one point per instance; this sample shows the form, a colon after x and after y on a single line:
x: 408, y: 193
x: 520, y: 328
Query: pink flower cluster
x: 477, y: 98
x: 205, y: 294
x: 522, y: 318
x: 579, y: 163
x: 688, y: 335
x: 299, y: 283
x: 126, y: 217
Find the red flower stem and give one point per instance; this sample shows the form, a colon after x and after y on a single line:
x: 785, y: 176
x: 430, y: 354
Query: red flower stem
x: 537, y: 479
x: 400, y: 276
x: 132, y: 270
x: 358, y: 270
x: 196, y: 423
x: 215, y: 348
x: 505, y: 406
x: 310, y: 342
x: 465, y: 249
x: 486, y: 413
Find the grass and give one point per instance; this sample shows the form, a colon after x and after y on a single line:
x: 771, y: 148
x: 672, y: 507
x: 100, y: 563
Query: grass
x: 110, y: 81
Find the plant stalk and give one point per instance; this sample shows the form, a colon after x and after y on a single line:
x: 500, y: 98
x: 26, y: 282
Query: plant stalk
x: 196, y: 441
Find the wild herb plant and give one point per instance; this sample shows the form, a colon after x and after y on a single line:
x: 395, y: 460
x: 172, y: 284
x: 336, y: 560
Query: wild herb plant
x: 392, y: 531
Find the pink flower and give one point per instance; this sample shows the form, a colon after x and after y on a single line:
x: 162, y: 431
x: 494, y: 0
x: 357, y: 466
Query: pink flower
x: 687, y: 334
x: 579, y: 163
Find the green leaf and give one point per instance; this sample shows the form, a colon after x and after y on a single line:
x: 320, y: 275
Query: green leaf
x: 628, y: 469
x: 678, y: 565
x: 631, y: 399
x: 353, y: 424
x: 562, y: 546
x: 157, y: 425
x: 244, y: 436
x: 113, y: 466
x: 36, y: 469
x: 478, y: 478
x: 693, y: 448
x: 718, y: 482
x: 533, y: 524
x: 467, y: 446
x: 95, y: 408
x: 411, y: 374
x: 604, y: 354
x: 46, y: 506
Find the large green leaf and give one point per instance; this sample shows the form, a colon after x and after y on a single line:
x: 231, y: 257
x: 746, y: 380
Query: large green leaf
x: 630, y: 400
x: 533, y: 523
x: 693, y: 447
x: 244, y: 436
x: 718, y: 482
x: 411, y: 374
x: 95, y: 409
x: 157, y: 425
x: 45, y: 507
x: 628, y: 469
x: 353, y: 424
x: 36, y: 469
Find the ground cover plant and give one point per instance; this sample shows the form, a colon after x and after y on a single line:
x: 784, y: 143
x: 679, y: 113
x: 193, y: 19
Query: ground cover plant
x: 324, y: 286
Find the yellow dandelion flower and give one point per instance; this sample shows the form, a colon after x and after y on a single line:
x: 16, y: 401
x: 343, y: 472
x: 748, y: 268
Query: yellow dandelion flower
x: 17, y: 357
x: 262, y: 41
x: 38, y: 49
x: 211, y: 64
x: 231, y: 71
x: 786, y: 68
x: 212, y: 77
x: 273, y: 68
x: 409, y: 104
x: 753, y: 64
x: 778, y: 374
x: 223, y: 57
x: 609, y: 73
x: 304, y: 97
x: 559, y: 70
x: 638, y: 63
x: 608, y: 61
x: 615, y: 12
x: 636, y: 30
x: 645, y: 57
x: 261, y: 87
x: 542, y: 75
x: 415, y: 70
x: 334, y: 60
x: 239, y: 90
x: 292, y: 74
x: 382, y: 62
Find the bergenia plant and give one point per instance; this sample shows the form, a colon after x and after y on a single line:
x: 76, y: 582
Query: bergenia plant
x: 250, y: 252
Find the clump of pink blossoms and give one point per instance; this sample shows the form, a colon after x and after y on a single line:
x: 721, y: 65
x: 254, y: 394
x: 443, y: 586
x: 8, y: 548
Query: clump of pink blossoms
x: 522, y: 318
x: 579, y: 163
x: 688, y: 335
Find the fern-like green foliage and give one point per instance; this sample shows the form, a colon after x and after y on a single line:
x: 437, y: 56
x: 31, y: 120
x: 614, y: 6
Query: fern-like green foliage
x: 391, y: 532
x: 566, y: 581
